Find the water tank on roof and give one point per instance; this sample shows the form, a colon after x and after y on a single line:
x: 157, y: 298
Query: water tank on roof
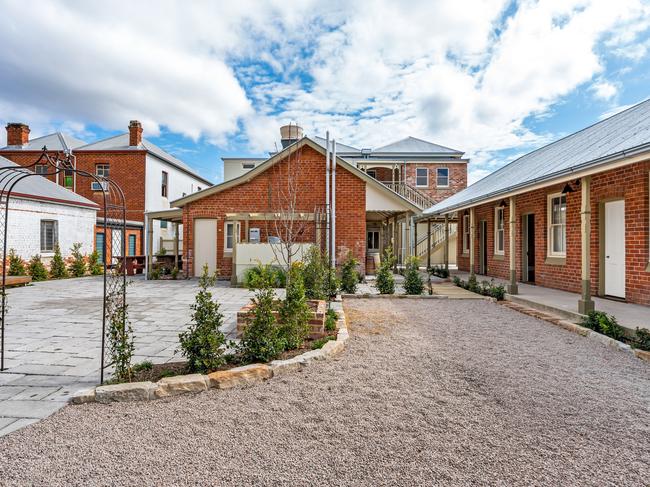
x: 289, y: 134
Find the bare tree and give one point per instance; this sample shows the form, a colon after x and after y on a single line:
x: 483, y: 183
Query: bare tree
x: 289, y: 221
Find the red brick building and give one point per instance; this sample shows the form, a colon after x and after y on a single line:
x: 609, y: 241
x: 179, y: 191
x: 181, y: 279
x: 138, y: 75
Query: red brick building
x: 149, y: 177
x: 245, y: 208
x: 574, y: 215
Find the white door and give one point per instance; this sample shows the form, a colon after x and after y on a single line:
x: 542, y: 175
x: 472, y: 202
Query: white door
x: 615, y: 248
x: 205, y: 245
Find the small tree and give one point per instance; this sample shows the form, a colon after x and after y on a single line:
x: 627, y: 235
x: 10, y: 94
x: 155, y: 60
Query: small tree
x: 120, y: 340
x: 413, y: 283
x: 16, y: 264
x: 349, y: 275
x: 36, y: 269
x: 385, y: 281
x: 294, y: 311
x: 78, y: 266
x: 315, y: 274
x: 94, y: 266
x: 203, y: 342
x: 57, y: 266
x: 261, y: 340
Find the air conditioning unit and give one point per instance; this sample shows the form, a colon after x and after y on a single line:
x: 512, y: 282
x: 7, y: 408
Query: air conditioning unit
x: 96, y: 186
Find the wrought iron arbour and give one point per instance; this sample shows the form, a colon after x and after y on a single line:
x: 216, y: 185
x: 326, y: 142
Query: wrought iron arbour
x: 113, y: 214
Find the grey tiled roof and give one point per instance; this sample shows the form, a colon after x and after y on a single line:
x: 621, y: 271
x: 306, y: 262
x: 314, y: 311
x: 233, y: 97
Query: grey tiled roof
x: 620, y: 135
x: 54, y: 142
x: 38, y: 187
x: 121, y: 143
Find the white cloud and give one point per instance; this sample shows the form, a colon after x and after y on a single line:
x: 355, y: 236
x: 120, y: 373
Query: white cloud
x: 464, y: 74
x: 604, y: 90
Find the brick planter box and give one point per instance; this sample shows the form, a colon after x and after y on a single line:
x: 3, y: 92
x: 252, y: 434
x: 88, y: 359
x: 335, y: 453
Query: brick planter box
x: 316, y: 321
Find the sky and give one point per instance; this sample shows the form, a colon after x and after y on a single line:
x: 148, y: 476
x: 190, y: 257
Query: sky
x: 493, y: 78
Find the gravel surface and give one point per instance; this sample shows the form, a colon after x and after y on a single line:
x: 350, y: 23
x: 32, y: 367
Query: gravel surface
x: 428, y: 392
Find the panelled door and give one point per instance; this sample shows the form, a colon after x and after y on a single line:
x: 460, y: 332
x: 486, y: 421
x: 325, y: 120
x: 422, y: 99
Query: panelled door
x: 615, y: 248
x: 205, y: 245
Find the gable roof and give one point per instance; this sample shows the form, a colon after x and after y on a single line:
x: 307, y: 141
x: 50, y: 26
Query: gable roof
x: 277, y: 157
x: 412, y: 145
x: 55, y: 142
x: 40, y: 188
x: 618, y: 137
x: 121, y: 143
x: 340, y: 148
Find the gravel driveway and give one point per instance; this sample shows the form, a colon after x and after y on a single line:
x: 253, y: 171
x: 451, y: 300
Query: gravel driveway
x: 428, y: 392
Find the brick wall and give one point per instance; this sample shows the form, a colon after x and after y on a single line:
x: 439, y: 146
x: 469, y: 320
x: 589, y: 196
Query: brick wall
x: 457, y: 179
x: 261, y: 195
x: 629, y: 183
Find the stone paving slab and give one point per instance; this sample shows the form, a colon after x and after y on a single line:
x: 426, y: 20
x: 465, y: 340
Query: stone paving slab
x: 53, y: 338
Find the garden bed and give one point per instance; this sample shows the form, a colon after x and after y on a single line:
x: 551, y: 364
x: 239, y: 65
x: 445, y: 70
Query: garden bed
x: 316, y: 321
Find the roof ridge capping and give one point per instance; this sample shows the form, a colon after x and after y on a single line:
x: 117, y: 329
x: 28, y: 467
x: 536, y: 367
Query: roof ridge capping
x: 573, y: 154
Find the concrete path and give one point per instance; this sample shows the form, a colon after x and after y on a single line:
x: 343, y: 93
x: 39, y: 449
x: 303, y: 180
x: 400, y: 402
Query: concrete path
x: 627, y: 314
x: 53, y: 338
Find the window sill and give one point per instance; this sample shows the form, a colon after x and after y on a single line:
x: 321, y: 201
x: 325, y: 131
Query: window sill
x: 442, y: 187
x: 498, y: 257
x: 555, y: 261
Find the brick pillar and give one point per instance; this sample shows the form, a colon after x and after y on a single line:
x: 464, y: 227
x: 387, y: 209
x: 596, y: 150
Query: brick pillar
x: 585, y: 304
x: 512, y: 286
x: 446, y: 252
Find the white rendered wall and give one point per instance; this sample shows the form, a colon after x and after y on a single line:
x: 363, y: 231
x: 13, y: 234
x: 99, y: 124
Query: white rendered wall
x: 234, y: 169
x: 76, y: 224
x: 178, y: 182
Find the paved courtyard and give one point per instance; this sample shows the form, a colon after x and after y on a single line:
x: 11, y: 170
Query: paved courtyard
x: 53, y: 338
x: 428, y: 392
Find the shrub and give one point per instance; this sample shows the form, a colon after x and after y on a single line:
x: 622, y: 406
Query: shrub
x: 603, y: 323
x: 57, y: 266
x: 144, y: 366
x: 203, y: 342
x: 485, y: 288
x: 439, y: 271
x: 78, y: 266
x: 265, y: 276
x: 120, y: 341
x: 261, y: 340
x: 94, y: 266
x: 36, y: 269
x: 413, y: 283
x: 330, y: 320
x: 385, y: 282
x: 294, y: 311
x: 316, y: 344
x: 154, y: 273
x: 315, y: 274
x: 349, y: 275
x: 642, y: 339
x: 16, y: 264
x: 174, y: 273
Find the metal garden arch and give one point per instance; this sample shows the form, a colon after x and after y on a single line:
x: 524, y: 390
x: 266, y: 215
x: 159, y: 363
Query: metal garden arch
x: 113, y: 212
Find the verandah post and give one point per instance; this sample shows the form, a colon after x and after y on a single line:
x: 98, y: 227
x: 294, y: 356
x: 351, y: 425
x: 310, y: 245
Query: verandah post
x: 512, y: 286
x: 585, y: 304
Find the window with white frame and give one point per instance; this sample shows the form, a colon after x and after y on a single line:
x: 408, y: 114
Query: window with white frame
x: 422, y: 177
x: 163, y: 184
x: 373, y: 240
x: 102, y: 170
x: 49, y: 235
x: 232, y: 231
x: 41, y: 169
x: 466, y: 234
x: 499, y: 230
x: 372, y: 173
x: 442, y: 177
x: 557, y: 225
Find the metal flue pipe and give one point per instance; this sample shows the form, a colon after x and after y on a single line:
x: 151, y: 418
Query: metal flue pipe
x: 333, y: 252
x: 327, y: 191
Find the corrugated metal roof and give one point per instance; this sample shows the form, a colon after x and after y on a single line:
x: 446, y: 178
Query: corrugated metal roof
x: 411, y: 145
x: 55, y: 142
x: 121, y: 143
x: 340, y: 148
x: 623, y: 132
x: 38, y: 187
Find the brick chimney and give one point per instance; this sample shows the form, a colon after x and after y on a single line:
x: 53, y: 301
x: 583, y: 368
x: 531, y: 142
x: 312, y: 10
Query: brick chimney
x: 135, y: 133
x: 17, y: 134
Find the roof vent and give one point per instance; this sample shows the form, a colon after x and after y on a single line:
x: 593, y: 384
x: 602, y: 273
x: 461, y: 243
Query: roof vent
x: 289, y: 134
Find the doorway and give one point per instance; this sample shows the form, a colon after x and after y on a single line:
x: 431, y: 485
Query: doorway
x: 615, y: 249
x: 483, y: 246
x: 205, y: 245
x: 528, y: 248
